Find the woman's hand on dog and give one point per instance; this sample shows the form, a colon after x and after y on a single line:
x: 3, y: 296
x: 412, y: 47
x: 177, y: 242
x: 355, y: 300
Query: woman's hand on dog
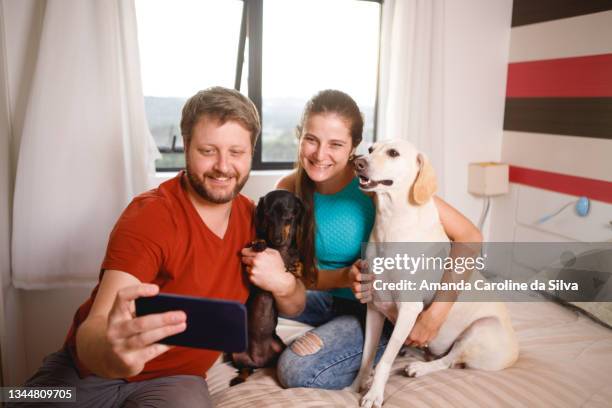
x: 267, y: 271
x: 360, y: 283
x: 428, y: 324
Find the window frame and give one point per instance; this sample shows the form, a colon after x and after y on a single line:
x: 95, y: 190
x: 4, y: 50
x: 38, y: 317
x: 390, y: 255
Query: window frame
x: 251, y: 27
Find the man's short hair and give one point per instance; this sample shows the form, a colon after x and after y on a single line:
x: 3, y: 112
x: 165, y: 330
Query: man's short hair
x: 222, y: 104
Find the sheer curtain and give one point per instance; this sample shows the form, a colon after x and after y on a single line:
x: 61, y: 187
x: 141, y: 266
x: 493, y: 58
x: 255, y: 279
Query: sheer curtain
x: 85, y: 149
x: 411, y: 89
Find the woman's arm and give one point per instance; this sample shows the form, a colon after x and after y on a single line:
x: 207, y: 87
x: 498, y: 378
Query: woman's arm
x: 333, y: 278
x: 458, y: 229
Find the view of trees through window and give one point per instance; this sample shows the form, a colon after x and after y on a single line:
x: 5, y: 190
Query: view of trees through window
x: 308, y: 45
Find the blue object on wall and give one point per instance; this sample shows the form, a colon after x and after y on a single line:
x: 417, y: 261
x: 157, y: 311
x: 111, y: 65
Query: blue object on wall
x: 582, y: 207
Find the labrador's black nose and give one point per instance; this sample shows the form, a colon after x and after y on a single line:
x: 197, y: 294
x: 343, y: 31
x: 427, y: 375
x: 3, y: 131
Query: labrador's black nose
x: 360, y: 164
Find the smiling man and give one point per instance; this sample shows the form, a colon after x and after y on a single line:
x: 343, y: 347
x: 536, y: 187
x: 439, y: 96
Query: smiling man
x: 187, y: 237
x: 214, y: 177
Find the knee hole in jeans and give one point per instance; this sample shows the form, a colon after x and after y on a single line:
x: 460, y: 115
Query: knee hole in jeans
x: 307, y: 344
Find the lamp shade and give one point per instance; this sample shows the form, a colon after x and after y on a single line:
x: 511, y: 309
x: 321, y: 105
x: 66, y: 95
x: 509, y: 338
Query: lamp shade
x: 488, y: 178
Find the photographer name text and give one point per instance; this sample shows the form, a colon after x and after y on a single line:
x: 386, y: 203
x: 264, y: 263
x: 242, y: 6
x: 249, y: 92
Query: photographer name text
x: 478, y: 285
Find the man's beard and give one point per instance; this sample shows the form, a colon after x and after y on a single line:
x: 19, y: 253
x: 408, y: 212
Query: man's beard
x: 217, y: 198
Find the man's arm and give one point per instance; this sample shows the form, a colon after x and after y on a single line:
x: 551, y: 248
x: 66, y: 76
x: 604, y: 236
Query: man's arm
x: 112, y: 342
x: 292, y: 300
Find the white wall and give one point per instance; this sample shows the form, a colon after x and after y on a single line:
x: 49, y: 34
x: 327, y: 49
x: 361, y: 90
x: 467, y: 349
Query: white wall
x: 477, y: 41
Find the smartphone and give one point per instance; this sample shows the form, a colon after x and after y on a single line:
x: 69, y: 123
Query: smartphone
x: 213, y: 324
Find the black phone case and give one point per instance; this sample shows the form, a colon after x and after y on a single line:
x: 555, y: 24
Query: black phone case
x: 213, y: 324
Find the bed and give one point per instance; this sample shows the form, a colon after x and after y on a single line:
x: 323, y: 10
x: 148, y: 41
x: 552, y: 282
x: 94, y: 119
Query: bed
x: 565, y: 361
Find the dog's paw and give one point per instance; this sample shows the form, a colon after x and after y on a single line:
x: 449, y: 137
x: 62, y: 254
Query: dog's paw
x: 360, y: 385
x: 236, y: 381
x: 417, y: 369
x: 258, y: 245
x: 373, y: 399
x: 367, y: 383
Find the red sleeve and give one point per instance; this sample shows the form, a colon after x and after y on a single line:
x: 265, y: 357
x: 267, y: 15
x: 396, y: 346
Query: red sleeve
x: 139, y: 242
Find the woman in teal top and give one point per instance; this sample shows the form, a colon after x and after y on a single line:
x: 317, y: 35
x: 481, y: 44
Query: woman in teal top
x: 338, y: 218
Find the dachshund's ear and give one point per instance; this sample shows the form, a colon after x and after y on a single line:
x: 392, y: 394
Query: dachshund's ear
x: 425, y: 184
x: 259, y: 218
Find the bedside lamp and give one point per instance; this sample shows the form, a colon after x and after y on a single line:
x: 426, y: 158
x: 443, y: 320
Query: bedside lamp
x: 487, y: 179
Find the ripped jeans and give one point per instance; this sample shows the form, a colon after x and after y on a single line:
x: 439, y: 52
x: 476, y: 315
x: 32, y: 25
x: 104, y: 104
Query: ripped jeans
x: 328, y: 356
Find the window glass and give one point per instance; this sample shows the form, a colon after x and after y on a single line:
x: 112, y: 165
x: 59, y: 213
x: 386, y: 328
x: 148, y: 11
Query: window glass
x: 308, y: 46
x: 185, y: 46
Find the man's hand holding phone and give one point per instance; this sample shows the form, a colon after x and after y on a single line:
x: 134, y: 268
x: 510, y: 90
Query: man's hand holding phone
x: 134, y: 340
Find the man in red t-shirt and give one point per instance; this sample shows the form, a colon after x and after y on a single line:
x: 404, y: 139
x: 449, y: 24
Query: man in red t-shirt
x: 187, y: 237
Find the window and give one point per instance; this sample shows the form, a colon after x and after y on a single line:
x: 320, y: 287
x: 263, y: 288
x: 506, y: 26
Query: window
x: 185, y: 46
x: 291, y: 49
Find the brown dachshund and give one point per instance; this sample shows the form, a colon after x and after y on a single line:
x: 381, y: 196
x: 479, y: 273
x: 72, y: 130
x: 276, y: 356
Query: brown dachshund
x: 277, y: 218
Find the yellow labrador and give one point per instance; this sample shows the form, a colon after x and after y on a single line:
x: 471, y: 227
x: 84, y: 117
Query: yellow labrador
x: 476, y: 334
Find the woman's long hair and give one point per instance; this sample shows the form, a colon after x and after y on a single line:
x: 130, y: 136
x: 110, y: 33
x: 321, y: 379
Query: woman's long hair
x: 328, y: 101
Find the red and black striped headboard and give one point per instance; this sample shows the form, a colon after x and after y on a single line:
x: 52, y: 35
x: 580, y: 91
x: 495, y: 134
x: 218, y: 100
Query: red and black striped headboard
x: 560, y: 88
